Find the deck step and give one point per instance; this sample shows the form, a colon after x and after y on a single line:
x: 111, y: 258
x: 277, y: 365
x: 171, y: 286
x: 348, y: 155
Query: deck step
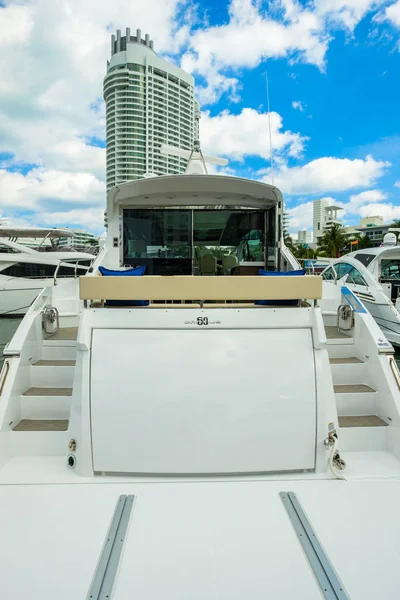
x: 42, y: 425
x: 345, y: 361
x: 354, y: 404
x: 63, y: 334
x: 336, y: 337
x: 59, y: 351
x: 333, y: 333
x: 353, y: 388
x: 48, y: 391
x: 54, y: 363
x: 362, y: 421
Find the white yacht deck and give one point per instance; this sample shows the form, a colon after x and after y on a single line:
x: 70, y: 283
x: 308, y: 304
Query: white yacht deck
x: 200, y: 540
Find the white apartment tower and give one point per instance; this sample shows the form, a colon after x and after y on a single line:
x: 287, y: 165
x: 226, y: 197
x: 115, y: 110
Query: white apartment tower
x: 304, y: 237
x: 149, y: 101
x: 319, y: 217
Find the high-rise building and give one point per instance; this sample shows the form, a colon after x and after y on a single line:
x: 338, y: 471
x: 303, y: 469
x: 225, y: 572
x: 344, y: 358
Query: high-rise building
x: 324, y: 216
x: 319, y: 217
x: 149, y: 102
x: 304, y: 237
x: 285, y: 221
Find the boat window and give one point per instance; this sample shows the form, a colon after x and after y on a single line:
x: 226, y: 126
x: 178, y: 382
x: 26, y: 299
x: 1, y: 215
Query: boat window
x: 161, y: 240
x: 29, y: 270
x: 7, y: 250
x: 365, y: 259
x: 199, y: 241
x: 224, y: 240
x: 42, y: 271
x: 342, y: 269
x: 328, y: 274
x: 354, y: 276
x: 390, y: 269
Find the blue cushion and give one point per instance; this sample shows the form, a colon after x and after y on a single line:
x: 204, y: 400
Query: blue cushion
x: 279, y: 274
x: 135, y: 272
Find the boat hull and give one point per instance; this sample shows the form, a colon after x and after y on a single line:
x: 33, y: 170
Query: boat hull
x: 387, y: 318
x: 15, y: 300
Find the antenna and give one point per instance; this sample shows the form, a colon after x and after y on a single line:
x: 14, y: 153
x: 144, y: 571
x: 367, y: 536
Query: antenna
x: 270, y: 134
x: 196, y: 159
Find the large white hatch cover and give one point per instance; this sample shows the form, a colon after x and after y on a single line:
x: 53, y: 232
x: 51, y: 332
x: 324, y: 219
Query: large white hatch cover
x: 215, y: 401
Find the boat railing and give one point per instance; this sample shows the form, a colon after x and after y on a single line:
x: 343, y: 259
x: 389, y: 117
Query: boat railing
x: 200, y: 289
x: 67, y: 263
x: 17, y: 342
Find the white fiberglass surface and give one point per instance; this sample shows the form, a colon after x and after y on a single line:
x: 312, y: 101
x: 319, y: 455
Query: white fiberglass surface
x: 190, y: 401
x: 199, y: 540
x: 51, y: 539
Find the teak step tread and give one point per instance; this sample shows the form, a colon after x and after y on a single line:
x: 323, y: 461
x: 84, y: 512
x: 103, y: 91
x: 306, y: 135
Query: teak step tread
x: 42, y: 425
x: 345, y: 361
x: 333, y: 333
x: 361, y: 421
x: 65, y: 333
x: 47, y: 391
x: 352, y: 388
x: 54, y: 363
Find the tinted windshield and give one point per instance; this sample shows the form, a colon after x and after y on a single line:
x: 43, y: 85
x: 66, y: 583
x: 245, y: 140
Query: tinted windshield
x: 198, y: 241
x: 390, y: 269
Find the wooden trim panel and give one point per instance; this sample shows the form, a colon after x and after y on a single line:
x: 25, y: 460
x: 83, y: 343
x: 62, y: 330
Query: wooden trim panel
x: 200, y: 288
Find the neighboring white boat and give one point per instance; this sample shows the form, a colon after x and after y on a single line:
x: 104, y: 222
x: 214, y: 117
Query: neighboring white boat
x: 194, y: 447
x: 25, y: 271
x: 373, y: 274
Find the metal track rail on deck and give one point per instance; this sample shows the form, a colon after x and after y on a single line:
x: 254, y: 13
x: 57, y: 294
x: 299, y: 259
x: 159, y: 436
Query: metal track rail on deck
x: 104, y: 577
x: 331, y: 586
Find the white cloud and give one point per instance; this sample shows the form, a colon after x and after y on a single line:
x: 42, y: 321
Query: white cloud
x: 301, y: 216
x: 329, y: 174
x: 389, y: 212
x: 53, y: 69
x: 91, y: 219
x: 392, y: 13
x: 345, y: 13
x: 52, y: 64
x: 397, y: 184
x: 54, y: 60
x: 54, y: 198
x: 9, y: 17
x: 298, y: 105
x: 252, y: 35
x: 32, y: 190
x: 364, y: 198
x: 246, y: 134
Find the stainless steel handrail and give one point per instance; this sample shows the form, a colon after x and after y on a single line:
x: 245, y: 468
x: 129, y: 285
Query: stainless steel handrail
x: 395, y: 370
x: 6, y: 368
x: 56, y: 271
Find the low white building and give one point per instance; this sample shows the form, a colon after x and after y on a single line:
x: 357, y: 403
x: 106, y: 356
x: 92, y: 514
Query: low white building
x: 79, y: 239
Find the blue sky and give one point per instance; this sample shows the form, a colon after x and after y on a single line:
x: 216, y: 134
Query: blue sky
x: 334, y: 88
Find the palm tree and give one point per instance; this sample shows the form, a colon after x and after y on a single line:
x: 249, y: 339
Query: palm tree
x: 332, y: 241
x: 303, y: 251
x: 395, y: 224
x: 288, y: 241
x: 363, y: 242
x: 92, y: 242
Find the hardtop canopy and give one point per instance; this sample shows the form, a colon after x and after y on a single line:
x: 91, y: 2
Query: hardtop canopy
x: 195, y: 190
x: 34, y: 232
